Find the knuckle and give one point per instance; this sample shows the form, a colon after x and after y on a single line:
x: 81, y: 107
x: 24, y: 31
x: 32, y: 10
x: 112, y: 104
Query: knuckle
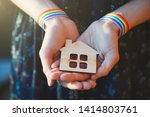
x: 41, y: 53
x: 45, y: 72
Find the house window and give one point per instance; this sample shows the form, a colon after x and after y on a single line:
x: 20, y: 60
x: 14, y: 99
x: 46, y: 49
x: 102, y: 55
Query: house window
x: 83, y: 57
x: 81, y: 60
x: 73, y: 60
x: 73, y: 64
x: 73, y: 56
x: 83, y: 65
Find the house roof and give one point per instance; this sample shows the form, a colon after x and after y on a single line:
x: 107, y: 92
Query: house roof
x: 78, y: 45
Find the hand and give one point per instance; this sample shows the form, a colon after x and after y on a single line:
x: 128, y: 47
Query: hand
x: 103, y: 37
x: 57, y: 31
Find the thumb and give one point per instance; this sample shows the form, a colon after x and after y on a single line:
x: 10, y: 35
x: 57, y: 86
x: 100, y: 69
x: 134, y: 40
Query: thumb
x: 109, y: 62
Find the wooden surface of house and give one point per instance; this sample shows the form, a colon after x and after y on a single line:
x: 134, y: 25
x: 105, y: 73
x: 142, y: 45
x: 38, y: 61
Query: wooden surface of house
x: 78, y: 57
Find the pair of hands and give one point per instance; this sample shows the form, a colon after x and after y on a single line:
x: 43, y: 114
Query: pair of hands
x: 100, y: 35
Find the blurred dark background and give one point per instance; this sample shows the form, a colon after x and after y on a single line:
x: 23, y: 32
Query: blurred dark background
x: 7, y: 13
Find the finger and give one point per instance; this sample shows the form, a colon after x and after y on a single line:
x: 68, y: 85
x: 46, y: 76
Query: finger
x: 46, y: 60
x: 50, y: 82
x: 55, y: 64
x: 109, y: 62
x: 72, y: 85
x: 71, y: 77
x: 55, y: 74
x: 86, y: 85
x: 50, y: 46
x: 89, y: 84
x: 52, y: 77
x: 92, y: 82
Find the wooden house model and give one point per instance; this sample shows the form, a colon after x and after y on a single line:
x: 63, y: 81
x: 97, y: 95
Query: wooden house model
x: 78, y: 57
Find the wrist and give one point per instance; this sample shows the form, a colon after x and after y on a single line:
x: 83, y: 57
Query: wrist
x: 56, y: 20
x: 118, y: 20
x: 109, y: 24
x: 47, y: 15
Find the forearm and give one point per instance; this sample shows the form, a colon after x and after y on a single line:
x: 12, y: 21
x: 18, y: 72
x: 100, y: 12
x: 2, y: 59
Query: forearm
x: 135, y: 12
x: 34, y: 7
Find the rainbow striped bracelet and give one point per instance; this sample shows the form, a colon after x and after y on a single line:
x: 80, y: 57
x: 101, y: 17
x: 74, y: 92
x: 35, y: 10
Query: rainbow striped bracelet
x: 118, y: 20
x: 49, y: 14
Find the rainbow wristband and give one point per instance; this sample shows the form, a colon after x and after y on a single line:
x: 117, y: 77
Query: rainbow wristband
x: 49, y: 14
x: 118, y: 20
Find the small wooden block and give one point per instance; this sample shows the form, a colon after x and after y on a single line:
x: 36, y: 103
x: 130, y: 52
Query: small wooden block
x: 78, y: 57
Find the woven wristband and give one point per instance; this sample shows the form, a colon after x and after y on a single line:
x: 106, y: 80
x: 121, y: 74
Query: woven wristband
x: 118, y: 20
x: 49, y: 14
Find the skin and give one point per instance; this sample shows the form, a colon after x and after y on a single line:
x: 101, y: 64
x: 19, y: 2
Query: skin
x: 101, y: 35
